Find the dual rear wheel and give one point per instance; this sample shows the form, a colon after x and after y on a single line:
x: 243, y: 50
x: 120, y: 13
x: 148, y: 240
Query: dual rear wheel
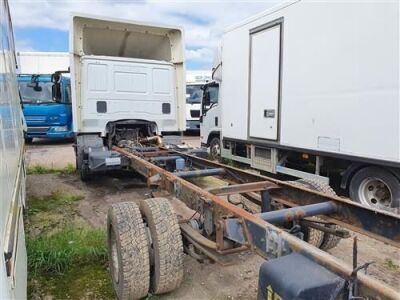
x: 145, y: 248
x: 324, y: 241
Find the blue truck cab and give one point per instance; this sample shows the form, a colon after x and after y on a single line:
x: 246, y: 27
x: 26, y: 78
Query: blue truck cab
x: 46, y: 101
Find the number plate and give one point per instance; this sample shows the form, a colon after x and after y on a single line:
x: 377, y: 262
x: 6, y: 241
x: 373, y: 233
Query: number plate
x: 113, y: 161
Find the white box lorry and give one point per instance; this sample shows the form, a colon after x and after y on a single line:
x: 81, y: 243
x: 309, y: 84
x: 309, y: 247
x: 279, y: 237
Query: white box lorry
x: 311, y: 89
x: 128, y: 85
x: 30, y: 62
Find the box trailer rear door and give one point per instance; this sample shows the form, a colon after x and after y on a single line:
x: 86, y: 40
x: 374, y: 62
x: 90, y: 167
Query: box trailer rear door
x: 265, y: 46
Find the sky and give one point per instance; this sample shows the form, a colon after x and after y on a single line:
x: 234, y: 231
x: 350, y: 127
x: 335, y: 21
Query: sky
x: 42, y: 25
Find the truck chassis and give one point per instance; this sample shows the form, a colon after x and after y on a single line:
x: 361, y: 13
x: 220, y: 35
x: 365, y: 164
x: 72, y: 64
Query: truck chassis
x: 213, y: 227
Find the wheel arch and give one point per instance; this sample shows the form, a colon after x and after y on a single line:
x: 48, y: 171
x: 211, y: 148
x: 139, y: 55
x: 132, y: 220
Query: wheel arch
x: 348, y: 174
x: 213, y: 134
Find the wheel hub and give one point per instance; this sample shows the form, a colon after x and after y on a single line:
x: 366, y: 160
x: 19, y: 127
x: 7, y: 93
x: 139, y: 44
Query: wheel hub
x: 374, y: 192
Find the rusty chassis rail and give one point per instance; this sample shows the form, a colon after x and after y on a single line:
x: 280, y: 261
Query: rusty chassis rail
x: 259, y: 235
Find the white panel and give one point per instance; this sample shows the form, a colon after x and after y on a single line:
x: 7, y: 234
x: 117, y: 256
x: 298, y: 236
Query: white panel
x: 130, y: 82
x: 132, y: 92
x: 97, y: 77
x: 161, y: 81
x: 264, y: 83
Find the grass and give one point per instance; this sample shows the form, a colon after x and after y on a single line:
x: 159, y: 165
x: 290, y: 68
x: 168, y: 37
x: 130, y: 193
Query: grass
x: 57, y: 252
x: 40, y: 169
x: 389, y: 264
x: 52, y: 203
x: 67, y: 257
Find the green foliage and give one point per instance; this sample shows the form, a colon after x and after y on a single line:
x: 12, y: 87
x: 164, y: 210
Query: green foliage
x: 67, y: 258
x: 389, y: 264
x: 53, y: 202
x: 69, y: 169
x: 57, y: 252
x: 40, y: 169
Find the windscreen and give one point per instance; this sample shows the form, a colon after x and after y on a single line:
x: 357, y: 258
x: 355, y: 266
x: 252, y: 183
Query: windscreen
x: 37, y: 92
x: 213, y: 90
x: 194, y: 94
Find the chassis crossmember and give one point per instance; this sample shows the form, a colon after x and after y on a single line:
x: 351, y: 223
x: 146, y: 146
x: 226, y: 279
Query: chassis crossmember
x: 218, y: 227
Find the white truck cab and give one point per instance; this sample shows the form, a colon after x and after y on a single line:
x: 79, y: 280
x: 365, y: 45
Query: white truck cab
x: 210, y: 120
x: 128, y: 86
x: 195, y: 80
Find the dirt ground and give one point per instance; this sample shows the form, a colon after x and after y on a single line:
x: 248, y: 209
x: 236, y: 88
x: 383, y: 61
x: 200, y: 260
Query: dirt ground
x: 201, y: 281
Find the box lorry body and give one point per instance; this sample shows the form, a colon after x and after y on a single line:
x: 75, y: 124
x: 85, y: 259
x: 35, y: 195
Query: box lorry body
x: 317, y: 84
x: 128, y: 83
x: 13, y: 260
x: 47, y: 115
x: 42, y: 62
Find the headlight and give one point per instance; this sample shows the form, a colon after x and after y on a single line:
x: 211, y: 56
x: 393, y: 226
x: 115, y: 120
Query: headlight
x: 61, y: 128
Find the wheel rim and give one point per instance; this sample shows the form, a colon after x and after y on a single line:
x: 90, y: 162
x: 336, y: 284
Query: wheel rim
x: 215, y: 150
x: 114, y: 257
x: 374, y: 192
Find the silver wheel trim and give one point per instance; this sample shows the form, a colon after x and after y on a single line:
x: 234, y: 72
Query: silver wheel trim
x: 374, y: 192
x: 114, y: 257
x: 215, y: 150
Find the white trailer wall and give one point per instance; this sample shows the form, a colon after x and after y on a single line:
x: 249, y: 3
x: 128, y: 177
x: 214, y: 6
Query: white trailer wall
x: 12, y: 172
x: 339, y: 87
x: 42, y: 62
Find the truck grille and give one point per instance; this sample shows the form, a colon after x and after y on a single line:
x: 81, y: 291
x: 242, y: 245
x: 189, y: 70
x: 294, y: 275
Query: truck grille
x: 35, y: 119
x: 38, y: 129
x: 195, y: 113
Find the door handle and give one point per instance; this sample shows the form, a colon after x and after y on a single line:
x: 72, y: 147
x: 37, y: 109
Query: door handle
x: 269, y: 113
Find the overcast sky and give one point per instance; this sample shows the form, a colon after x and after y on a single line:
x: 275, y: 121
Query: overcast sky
x: 42, y: 25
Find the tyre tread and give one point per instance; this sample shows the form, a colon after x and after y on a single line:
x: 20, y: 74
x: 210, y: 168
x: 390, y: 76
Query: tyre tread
x: 135, y: 264
x: 167, y: 244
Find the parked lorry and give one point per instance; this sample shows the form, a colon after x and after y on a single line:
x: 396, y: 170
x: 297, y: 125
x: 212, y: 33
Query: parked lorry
x: 210, y: 119
x: 195, y: 79
x: 46, y: 100
x: 300, y: 95
x: 13, y: 260
x: 128, y: 86
x: 30, y: 62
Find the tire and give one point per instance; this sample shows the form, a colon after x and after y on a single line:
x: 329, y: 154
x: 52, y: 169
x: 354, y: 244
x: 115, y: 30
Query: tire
x: 215, y: 148
x: 328, y: 241
x: 128, y: 248
x: 83, y: 168
x: 28, y: 140
x: 385, y: 193
x: 167, y: 247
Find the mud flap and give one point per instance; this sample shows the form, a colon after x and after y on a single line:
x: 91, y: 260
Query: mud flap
x: 294, y: 276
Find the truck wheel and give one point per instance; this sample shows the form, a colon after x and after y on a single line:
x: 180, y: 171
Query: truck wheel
x: 28, y: 140
x: 375, y: 187
x: 215, y: 148
x: 128, y: 250
x: 83, y: 168
x: 166, y: 245
x: 328, y: 241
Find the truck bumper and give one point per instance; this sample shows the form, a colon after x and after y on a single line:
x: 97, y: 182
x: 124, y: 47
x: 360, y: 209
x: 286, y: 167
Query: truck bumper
x: 192, y: 125
x: 49, y: 132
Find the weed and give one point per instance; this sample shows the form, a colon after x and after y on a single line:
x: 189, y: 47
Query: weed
x: 54, y: 201
x: 69, y: 169
x: 389, y: 264
x: 56, y: 253
x: 40, y: 169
